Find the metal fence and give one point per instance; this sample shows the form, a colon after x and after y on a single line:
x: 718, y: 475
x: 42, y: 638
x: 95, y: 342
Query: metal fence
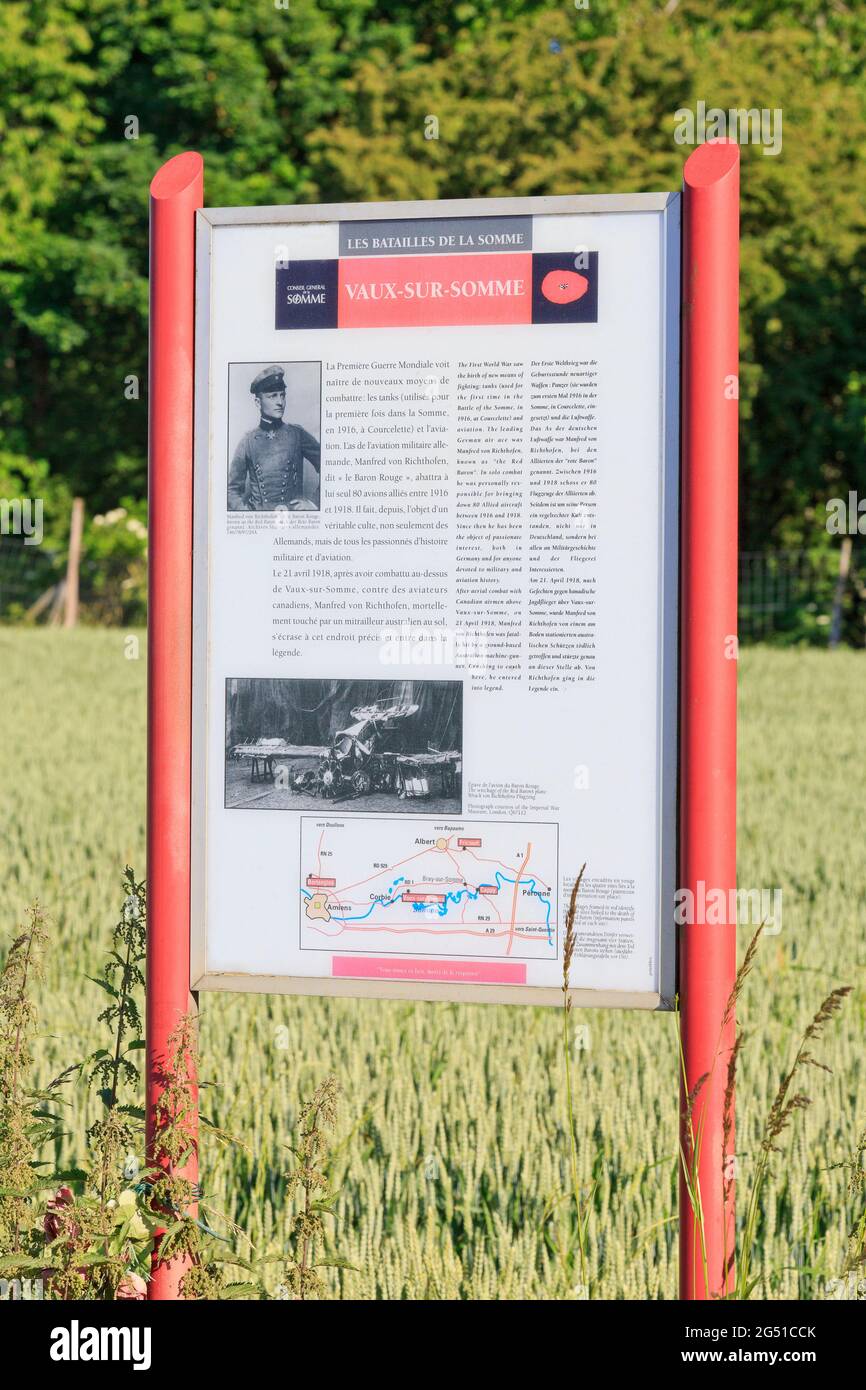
x: 786, y: 593
x: 26, y: 573
x: 783, y: 594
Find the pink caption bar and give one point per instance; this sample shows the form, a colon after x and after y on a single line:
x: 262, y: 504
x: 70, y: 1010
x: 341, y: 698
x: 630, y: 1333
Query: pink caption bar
x: 468, y: 972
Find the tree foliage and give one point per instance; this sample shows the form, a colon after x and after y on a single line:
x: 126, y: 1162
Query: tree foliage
x: 329, y: 100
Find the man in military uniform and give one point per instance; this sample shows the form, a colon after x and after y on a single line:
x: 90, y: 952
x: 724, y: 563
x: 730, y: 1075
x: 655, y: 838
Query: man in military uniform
x: 267, y: 471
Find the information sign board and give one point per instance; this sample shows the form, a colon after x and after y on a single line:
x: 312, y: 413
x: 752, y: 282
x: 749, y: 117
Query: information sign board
x: 435, y: 598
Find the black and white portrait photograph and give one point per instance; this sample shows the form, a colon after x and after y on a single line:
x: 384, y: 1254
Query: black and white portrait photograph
x: 363, y: 745
x: 274, y: 436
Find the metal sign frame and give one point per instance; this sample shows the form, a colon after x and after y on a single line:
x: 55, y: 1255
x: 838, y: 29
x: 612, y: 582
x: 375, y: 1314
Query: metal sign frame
x: 708, y: 615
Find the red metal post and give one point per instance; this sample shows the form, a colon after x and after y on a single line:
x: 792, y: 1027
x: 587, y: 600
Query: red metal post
x: 708, y: 710
x: 175, y: 193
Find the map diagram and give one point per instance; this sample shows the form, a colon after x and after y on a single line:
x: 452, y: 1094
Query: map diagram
x: 395, y: 885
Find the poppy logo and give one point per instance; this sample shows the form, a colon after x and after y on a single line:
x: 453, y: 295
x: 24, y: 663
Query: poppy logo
x: 564, y: 286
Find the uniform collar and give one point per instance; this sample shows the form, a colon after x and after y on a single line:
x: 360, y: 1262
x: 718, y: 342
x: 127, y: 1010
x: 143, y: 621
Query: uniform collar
x: 270, y: 426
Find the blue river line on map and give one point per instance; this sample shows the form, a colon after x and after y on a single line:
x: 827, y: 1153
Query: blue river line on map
x: 441, y: 909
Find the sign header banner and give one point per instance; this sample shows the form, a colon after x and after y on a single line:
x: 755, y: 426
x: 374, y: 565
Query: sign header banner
x: 435, y: 236
x: 436, y: 290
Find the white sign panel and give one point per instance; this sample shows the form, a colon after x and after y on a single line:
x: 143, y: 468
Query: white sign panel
x: 435, y: 598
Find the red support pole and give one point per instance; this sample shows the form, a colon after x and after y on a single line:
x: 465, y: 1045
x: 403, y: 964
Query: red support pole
x: 708, y: 710
x: 175, y: 193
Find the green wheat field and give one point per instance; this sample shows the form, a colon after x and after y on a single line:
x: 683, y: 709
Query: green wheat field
x: 451, y: 1148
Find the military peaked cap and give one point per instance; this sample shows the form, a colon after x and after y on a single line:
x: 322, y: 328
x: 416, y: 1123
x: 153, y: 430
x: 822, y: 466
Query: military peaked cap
x: 269, y: 379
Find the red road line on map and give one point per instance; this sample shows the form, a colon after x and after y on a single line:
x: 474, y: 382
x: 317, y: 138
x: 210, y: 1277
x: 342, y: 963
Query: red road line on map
x: 545, y: 885
x: 431, y: 849
x: 412, y: 928
x: 374, y: 927
x: 481, y: 860
x: 454, y: 862
x: 514, y: 899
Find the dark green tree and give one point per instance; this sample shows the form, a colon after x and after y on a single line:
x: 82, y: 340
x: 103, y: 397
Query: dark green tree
x: 331, y: 99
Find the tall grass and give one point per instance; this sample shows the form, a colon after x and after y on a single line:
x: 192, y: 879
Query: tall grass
x: 582, y: 1204
x: 451, y: 1153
